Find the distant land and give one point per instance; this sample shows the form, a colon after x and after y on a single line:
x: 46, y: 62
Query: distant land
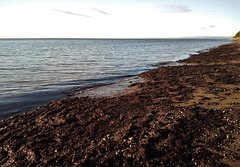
x: 192, y: 37
x: 237, y: 36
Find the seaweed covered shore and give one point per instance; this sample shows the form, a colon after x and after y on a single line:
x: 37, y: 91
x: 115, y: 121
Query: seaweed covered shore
x: 185, y: 115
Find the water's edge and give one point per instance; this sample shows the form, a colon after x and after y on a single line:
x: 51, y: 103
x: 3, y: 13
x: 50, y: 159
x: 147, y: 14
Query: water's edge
x: 29, y: 101
x: 32, y: 100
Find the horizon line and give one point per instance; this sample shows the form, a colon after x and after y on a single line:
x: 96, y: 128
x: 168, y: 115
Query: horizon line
x: 59, y: 38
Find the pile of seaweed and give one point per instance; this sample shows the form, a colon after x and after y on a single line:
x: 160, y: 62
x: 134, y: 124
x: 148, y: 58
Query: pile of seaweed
x: 180, y: 116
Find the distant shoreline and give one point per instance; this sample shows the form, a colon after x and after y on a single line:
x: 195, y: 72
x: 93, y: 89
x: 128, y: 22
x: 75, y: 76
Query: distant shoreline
x: 200, y: 37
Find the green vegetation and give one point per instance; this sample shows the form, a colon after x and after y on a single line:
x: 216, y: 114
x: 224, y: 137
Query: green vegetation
x: 237, y: 36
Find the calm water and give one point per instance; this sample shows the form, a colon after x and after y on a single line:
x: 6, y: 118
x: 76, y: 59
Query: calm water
x: 34, y: 72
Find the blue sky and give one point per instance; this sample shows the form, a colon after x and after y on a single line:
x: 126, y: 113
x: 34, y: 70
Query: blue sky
x: 118, y: 19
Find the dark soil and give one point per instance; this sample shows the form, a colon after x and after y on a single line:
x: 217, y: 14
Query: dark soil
x: 180, y: 116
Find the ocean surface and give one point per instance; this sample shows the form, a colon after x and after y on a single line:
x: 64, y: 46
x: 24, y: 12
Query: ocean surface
x: 34, y: 72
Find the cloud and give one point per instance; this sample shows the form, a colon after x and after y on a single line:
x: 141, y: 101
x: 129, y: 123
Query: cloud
x: 214, y: 11
x: 208, y: 27
x: 174, y: 8
x: 72, y: 13
x: 100, y: 11
x: 212, y: 26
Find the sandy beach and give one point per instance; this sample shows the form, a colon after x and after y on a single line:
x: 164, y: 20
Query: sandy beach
x: 186, y: 115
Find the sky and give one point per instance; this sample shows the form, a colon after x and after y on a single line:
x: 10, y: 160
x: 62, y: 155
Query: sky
x: 118, y: 18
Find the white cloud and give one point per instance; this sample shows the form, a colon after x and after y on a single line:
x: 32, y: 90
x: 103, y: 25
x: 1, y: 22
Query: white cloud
x: 100, y: 11
x: 174, y: 8
x: 67, y: 12
x: 212, y: 26
x: 208, y: 27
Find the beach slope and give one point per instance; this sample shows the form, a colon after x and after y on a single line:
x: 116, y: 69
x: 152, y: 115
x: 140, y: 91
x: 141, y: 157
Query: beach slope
x: 185, y: 115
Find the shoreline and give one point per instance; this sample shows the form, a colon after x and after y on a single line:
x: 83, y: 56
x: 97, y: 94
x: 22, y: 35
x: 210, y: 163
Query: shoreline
x: 20, y: 99
x: 180, y: 115
x: 115, y: 89
x: 27, y: 102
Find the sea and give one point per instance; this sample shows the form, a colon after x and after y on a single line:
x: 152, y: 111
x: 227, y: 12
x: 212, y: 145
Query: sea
x: 34, y: 72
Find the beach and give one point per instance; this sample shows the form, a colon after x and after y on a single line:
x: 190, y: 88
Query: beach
x: 186, y: 115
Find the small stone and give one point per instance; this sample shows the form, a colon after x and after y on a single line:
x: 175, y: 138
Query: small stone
x: 130, y: 138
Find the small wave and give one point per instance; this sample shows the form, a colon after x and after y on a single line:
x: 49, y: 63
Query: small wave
x: 13, y: 68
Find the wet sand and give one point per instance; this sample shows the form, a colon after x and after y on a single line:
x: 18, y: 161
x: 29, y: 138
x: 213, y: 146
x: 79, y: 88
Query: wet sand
x: 115, y: 89
x: 179, y: 116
